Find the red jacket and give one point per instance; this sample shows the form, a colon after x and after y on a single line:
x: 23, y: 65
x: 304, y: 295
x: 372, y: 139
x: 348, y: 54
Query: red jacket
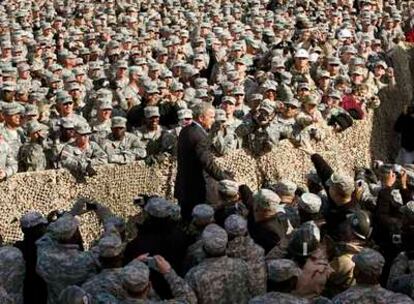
x: 350, y: 102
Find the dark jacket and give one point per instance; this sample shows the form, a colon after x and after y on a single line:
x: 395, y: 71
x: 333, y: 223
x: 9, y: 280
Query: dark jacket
x: 193, y: 156
x: 405, y: 125
x: 335, y: 216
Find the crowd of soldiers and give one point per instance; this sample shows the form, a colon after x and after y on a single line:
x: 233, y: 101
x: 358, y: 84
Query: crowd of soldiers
x: 85, y: 83
x: 88, y: 83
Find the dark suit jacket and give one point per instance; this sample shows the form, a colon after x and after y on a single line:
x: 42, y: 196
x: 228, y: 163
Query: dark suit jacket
x: 193, y: 156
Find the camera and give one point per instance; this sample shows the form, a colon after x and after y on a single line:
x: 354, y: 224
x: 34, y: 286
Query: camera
x: 151, y: 263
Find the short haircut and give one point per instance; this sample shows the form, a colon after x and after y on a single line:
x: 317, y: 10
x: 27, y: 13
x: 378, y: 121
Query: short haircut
x: 201, y: 109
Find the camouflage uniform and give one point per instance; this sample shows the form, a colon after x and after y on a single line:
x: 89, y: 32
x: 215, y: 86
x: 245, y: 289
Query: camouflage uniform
x: 32, y: 157
x: 7, y: 161
x: 12, y: 273
x: 370, y: 263
x: 62, y: 265
x: 77, y: 160
x: 14, y: 138
x: 243, y: 247
x: 219, y: 279
x: 400, y: 266
x: 127, y: 150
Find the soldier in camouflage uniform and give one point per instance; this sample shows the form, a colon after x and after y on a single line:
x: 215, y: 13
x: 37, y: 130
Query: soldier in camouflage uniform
x: 122, y: 147
x: 202, y: 215
x: 109, y: 279
x: 259, y: 134
x: 60, y: 261
x: 82, y: 155
x: 32, y: 156
x: 367, y: 271
x: 242, y: 246
x: 74, y: 294
x: 223, y: 138
x: 219, y: 279
x: 12, y: 272
x: 8, y: 164
x: 11, y: 131
x: 101, y: 125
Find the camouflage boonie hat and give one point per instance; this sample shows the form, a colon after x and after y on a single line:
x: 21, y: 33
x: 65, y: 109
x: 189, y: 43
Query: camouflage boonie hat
x: 235, y: 225
x: 32, y: 219
x: 228, y: 187
x: 110, y: 245
x: 214, y: 239
x: 310, y: 203
x: 118, y: 122
x: 135, y: 276
x: 343, y: 182
x: 280, y: 270
x: 203, y: 212
x: 369, y: 261
x: 64, y: 227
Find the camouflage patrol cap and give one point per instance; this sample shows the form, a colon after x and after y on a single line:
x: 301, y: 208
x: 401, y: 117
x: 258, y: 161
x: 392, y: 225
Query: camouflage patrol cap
x: 105, y: 104
x: 83, y: 129
x: 334, y: 94
x: 118, y: 122
x: 334, y: 60
x: 110, y: 245
x: 293, y: 102
x: 67, y: 123
x: 381, y: 63
x: 203, y: 212
x: 358, y: 71
x: 151, y: 111
x: 229, y: 99
x: 266, y: 201
x: 177, y: 86
x: 255, y: 97
x: 31, y: 219
x: 228, y: 188
x: 184, y: 114
x: 201, y: 93
x: 267, y: 106
x: 324, y: 74
x: 235, y: 225
x: 214, y: 239
x: 35, y: 126
x: 135, y: 276
x: 63, y: 97
x: 310, y: 203
x: 73, y: 295
x: 285, y: 188
x: 220, y: 115
x: 369, y: 261
x: 280, y: 270
x: 303, y: 86
x: 8, y: 86
x: 64, y: 227
x: 311, y: 99
x: 31, y: 110
x: 12, y: 108
x: 342, y: 182
x: 157, y: 207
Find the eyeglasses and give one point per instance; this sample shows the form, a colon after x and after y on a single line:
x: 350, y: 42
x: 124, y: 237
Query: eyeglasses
x: 68, y: 103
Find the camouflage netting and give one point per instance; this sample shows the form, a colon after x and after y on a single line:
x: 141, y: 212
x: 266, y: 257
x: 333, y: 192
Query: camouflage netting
x: 115, y: 186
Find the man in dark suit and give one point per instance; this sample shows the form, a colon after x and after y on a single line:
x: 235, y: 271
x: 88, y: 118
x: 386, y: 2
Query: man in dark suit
x: 194, y: 157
